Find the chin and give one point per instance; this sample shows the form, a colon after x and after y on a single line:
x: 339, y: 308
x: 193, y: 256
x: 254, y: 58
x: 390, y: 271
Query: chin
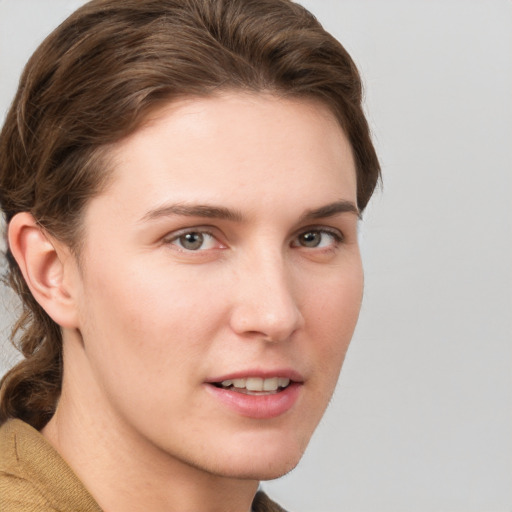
x: 268, y: 470
x: 261, y: 460
x: 271, y: 473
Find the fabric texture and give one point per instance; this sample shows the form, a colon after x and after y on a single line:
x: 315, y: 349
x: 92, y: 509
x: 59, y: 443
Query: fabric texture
x: 35, y: 478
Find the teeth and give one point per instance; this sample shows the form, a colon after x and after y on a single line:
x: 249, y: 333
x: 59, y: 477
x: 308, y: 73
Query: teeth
x: 283, y: 382
x: 254, y: 384
x: 270, y: 384
x: 257, y: 383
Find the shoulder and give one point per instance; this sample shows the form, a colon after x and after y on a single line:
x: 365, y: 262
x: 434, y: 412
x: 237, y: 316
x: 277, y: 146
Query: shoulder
x: 33, y: 476
x: 262, y: 503
x: 17, y: 491
x: 19, y: 495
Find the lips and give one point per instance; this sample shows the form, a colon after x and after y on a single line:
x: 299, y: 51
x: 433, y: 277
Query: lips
x: 258, y: 395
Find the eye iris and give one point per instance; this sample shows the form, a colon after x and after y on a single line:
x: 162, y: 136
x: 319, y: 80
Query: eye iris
x: 310, y: 239
x: 191, y: 241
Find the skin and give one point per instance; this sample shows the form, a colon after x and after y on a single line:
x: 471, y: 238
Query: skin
x: 148, y: 321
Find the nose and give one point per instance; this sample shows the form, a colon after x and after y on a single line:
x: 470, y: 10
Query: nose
x: 265, y: 303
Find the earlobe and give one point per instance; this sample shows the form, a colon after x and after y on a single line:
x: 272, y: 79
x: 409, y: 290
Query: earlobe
x: 43, y: 264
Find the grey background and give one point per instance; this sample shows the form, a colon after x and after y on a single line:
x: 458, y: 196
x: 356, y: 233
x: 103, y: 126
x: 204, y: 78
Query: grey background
x: 422, y: 417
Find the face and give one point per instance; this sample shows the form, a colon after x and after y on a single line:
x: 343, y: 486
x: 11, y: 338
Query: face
x: 221, y: 281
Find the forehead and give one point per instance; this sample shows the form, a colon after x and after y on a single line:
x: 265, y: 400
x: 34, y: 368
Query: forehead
x: 235, y: 148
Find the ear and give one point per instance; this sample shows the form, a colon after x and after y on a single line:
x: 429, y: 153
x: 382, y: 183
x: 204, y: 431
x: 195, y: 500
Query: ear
x: 47, y: 266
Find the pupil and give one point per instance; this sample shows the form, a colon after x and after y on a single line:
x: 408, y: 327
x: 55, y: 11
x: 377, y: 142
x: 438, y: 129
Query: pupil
x: 192, y: 241
x: 310, y: 239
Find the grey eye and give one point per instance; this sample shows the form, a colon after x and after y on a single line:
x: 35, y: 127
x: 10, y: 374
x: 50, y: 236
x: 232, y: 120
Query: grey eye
x: 318, y: 239
x: 191, y: 241
x: 310, y: 239
x: 194, y: 241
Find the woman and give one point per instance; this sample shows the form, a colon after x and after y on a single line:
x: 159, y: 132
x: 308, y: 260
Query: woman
x: 182, y: 182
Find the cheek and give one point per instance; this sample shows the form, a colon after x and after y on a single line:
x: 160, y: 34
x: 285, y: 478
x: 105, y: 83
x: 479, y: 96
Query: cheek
x: 145, y: 322
x: 332, y: 316
x: 147, y: 340
x: 336, y: 302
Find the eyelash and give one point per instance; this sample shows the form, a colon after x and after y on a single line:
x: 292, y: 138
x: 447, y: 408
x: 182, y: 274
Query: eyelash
x: 193, y: 231
x: 336, y: 236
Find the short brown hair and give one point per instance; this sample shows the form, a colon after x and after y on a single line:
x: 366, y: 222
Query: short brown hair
x: 92, y: 82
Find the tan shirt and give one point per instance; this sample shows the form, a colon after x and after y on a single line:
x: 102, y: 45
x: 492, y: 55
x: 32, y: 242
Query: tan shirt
x: 35, y: 478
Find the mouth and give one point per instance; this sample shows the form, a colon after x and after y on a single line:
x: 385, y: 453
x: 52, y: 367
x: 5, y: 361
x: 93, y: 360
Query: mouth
x: 255, y: 397
x: 257, y: 394
x: 255, y: 385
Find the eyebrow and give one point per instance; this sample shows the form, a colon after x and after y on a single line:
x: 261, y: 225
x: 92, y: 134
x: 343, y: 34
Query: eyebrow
x: 331, y: 209
x: 220, y: 212
x: 195, y: 210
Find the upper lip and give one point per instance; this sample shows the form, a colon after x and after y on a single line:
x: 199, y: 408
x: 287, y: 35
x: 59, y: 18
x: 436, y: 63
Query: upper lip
x: 289, y: 373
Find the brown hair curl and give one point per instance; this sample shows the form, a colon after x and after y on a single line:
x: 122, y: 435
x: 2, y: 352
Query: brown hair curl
x: 90, y: 84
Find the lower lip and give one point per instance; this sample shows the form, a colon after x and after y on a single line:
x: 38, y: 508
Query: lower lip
x: 258, y: 406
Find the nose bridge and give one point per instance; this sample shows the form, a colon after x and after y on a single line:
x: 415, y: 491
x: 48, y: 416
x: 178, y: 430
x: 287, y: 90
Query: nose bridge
x: 266, y: 301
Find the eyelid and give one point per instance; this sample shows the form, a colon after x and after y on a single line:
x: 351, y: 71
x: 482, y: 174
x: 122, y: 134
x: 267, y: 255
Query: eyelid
x: 206, y: 230
x: 335, y: 232
x: 337, y: 235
